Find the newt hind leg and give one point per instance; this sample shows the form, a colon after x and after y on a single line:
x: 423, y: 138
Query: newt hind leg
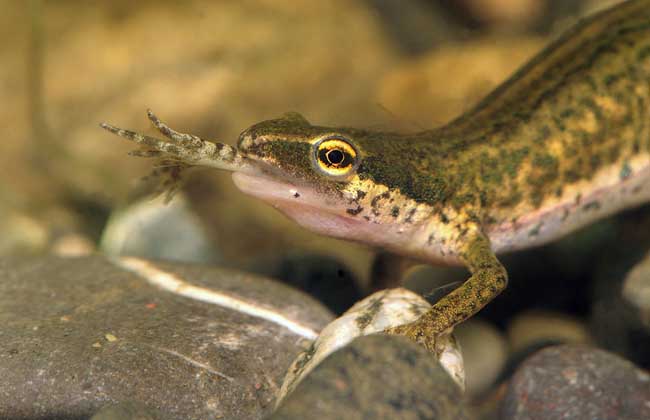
x: 488, y: 279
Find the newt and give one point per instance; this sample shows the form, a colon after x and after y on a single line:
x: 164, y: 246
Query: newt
x: 562, y: 143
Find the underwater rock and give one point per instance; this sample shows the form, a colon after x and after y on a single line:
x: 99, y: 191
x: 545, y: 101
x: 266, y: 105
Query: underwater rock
x: 376, y: 377
x: 193, y: 342
x: 379, y: 311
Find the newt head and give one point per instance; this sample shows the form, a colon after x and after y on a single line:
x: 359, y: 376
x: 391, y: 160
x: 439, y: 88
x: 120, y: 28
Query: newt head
x: 326, y: 179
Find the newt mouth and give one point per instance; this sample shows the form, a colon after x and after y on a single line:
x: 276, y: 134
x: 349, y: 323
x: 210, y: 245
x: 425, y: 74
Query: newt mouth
x: 301, y: 203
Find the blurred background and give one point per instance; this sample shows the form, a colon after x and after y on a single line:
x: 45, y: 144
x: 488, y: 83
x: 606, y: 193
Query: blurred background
x: 213, y: 68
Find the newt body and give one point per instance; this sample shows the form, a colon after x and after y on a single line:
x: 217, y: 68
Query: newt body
x: 562, y: 143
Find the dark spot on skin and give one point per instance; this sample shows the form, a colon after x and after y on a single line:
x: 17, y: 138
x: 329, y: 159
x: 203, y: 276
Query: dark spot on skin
x: 431, y: 239
x: 409, y: 216
x: 354, y: 212
x: 490, y: 220
x: 535, y: 231
x: 461, y: 200
x: 306, y: 357
x: 578, y: 199
x: 375, y: 200
x: 565, y: 214
x: 360, y: 195
x: 594, y: 162
x: 544, y: 133
x: 626, y: 171
x: 515, y: 223
x: 486, y: 166
x: 545, y: 161
x: 514, y: 159
x: 644, y: 53
x: 472, y: 216
x: 296, y: 195
x: 367, y: 218
x: 567, y: 113
x: 614, y: 152
x: 594, y: 205
x: 544, y: 171
x: 463, y: 232
x: 394, y: 211
x: 636, y: 189
x: 399, y: 402
x: 443, y: 218
x: 483, y: 198
x: 571, y: 176
x: 369, y: 315
x: 610, y: 79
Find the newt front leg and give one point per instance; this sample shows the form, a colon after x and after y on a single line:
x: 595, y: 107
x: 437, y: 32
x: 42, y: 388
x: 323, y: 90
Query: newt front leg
x: 488, y: 279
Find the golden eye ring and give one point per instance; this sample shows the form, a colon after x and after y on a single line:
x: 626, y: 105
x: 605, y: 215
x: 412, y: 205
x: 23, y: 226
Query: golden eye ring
x: 335, y: 156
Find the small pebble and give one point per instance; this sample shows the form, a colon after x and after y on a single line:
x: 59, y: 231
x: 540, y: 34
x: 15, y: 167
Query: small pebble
x: 615, y: 320
x: 21, y: 234
x: 485, y: 352
x: 538, y: 328
x: 636, y: 289
x: 72, y: 245
x: 518, y: 13
x: 155, y: 230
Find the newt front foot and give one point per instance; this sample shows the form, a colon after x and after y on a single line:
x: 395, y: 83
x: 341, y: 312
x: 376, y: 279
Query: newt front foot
x: 418, y: 332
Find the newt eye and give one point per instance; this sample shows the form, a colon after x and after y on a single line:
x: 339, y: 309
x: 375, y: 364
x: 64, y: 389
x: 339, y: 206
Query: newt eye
x: 335, y: 156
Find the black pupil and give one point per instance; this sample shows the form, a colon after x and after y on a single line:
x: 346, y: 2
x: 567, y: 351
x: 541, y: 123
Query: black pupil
x: 335, y: 157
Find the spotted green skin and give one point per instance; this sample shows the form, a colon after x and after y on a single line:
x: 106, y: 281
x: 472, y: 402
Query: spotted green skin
x: 580, y: 106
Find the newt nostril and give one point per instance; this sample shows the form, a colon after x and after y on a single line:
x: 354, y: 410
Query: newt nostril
x: 245, y: 142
